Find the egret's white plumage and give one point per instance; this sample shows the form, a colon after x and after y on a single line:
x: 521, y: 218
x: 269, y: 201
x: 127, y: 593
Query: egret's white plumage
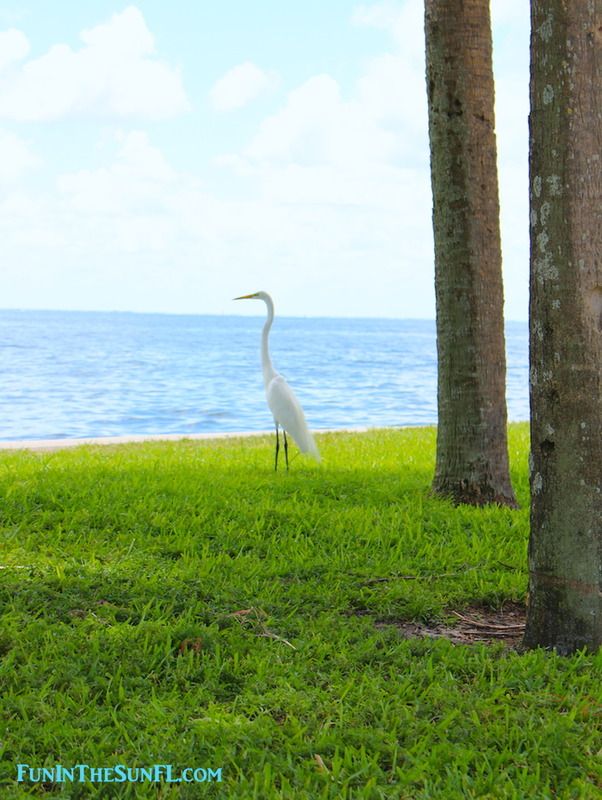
x: 288, y: 413
x: 282, y: 401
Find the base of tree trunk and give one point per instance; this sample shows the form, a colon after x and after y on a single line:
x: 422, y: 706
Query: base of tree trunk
x: 554, y: 623
x: 474, y: 494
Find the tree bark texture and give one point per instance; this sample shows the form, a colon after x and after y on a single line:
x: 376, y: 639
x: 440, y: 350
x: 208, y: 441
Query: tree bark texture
x: 565, y: 150
x: 472, y: 449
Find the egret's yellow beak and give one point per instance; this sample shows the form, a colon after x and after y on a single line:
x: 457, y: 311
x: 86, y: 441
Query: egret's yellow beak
x: 246, y: 297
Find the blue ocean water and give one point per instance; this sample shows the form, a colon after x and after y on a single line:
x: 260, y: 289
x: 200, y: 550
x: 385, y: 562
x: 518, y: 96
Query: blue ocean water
x: 75, y: 374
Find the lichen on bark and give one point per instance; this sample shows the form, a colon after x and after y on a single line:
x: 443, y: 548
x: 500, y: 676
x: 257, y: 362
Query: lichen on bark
x: 565, y: 547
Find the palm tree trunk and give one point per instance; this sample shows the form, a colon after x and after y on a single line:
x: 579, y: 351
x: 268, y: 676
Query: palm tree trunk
x: 472, y: 450
x: 565, y: 548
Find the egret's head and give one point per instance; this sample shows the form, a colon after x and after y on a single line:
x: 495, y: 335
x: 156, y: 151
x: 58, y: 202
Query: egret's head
x: 254, y: 296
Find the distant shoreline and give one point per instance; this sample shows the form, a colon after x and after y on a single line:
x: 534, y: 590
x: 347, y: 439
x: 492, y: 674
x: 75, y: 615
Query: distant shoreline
x: 61, y: 444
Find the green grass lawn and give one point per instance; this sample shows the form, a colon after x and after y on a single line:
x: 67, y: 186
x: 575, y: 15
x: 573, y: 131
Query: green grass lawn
x: 120, y: 642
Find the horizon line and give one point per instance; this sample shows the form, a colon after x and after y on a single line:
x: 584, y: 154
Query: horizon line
x: 209, y: 314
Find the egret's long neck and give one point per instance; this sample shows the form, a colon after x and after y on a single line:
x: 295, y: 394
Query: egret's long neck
x: 266, y: 362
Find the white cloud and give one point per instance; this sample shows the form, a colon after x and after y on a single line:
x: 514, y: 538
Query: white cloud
x: 356, y: 164
x: 367, y: 150
x: 396, y: 81
x: 15, y: 157
x: 241, y: 85
x: 13, y: 47
x: 317, y: 125
x: 384, y: 120
x: 404, y: 22
x: 299, y: 132
x: 136, y: 233
x: 331, y: 191
x: 342, y: 177
x: 115, y: 73
x: 131, y: 183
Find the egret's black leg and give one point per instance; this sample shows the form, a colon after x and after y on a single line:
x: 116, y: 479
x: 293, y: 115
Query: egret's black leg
x: 277, y: 448
x: 285, y: 449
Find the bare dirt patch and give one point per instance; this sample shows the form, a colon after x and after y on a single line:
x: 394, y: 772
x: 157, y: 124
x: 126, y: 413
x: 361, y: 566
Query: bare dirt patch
x: 473, y: 625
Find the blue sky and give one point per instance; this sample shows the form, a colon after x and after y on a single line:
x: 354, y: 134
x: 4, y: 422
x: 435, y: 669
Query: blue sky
x: 167, y: 157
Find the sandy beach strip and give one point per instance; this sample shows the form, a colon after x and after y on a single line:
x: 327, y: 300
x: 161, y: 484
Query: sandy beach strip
x: 60, y: 444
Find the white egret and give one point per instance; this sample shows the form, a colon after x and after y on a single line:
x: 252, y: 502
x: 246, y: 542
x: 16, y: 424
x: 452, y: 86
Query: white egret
x: 283, y: 404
